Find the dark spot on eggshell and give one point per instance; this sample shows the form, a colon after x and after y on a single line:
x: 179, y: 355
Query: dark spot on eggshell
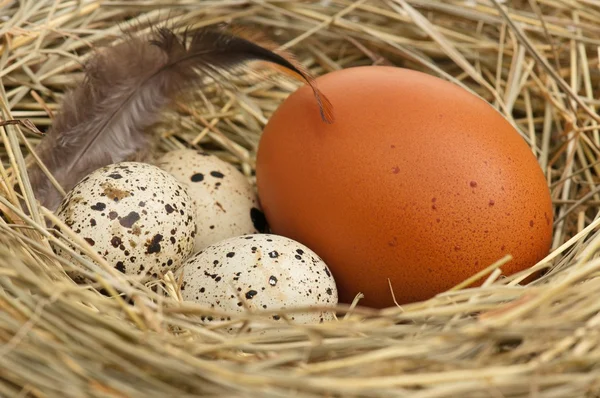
x: 217, y: 174
x: 198, y: 177
x: 90, y: 241
x: 274, y: 254
x: 213, y: 276
x: 329, y: 291
x: 250, y: 294
x: 169, y: 208
x: 258, y: 219
x: 115, y: 176
x: 115, y: 241
x: 98, y: 206
x: 276, y: 317
x: 130, y: 219
x: 112, y: 215
x: 230, y: 254
x: 272, y: 280
x: 153, y: 246
x: 120, y: 266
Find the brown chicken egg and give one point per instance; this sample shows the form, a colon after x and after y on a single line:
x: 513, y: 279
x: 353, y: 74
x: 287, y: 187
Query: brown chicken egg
x: 417, y: 181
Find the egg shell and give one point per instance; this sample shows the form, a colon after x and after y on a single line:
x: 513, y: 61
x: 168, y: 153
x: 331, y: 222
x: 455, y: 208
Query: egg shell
x: 225, y: 202
x: 267, y: 272
x: 137, y: 216
x: 417, y: 180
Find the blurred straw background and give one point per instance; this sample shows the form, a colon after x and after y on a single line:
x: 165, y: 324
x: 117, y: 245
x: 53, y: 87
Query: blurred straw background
x: 536, y: 61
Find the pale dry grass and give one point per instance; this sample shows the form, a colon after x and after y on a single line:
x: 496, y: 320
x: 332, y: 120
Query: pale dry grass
x: 536, y: 61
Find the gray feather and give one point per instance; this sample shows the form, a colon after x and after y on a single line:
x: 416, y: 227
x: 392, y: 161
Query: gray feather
x: 105, y: 119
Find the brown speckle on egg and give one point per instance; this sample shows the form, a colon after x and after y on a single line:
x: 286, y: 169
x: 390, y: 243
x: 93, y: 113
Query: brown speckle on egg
x: 99, y: 206
x: 115, y: 241
x: 114, y: 193
x: 129, y: 219
x: 120, y: 266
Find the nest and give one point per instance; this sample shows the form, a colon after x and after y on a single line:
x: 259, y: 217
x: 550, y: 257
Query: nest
x: 536, y: 62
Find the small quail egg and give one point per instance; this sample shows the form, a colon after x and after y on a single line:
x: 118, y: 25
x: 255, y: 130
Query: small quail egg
x: 225, y: 202
x: 137, y: 216
x: 260, y: 272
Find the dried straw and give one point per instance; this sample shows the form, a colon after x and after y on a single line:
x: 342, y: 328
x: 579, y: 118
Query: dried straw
x: 537, y: 61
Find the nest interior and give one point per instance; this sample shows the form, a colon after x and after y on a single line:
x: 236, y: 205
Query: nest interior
x: 536, y: 61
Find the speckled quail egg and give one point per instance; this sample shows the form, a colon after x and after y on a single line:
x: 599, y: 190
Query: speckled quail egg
x: 137, y: 216
x: 260, y: 272
x: 225, y: 202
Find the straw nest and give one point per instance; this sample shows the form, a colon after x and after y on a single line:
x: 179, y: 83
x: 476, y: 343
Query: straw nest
x: 536, y: 61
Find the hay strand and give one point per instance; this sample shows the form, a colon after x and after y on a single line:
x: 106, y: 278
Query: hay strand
x: 536, y: 61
